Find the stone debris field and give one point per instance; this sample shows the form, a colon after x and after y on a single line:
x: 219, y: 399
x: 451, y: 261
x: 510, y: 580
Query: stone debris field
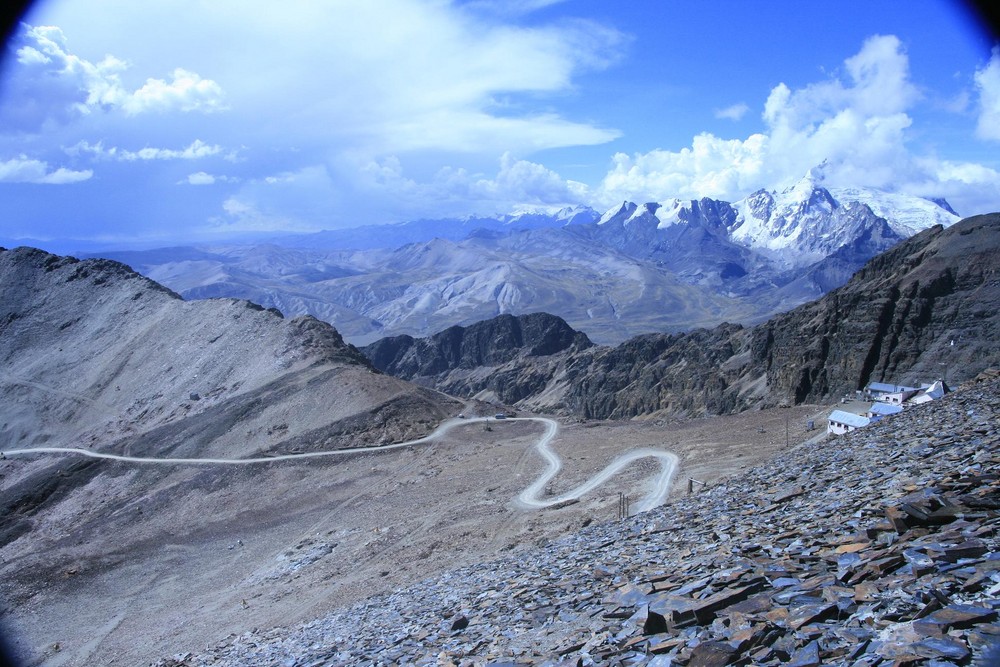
x: 879, y: 547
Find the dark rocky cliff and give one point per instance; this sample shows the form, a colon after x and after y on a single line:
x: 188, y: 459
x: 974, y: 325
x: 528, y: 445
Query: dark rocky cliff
x: 926, y: 309
x: 487, y: 343
x: 516, y: 350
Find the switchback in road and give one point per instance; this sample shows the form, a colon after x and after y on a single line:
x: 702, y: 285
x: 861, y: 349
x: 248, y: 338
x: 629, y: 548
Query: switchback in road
x: 529, y: 498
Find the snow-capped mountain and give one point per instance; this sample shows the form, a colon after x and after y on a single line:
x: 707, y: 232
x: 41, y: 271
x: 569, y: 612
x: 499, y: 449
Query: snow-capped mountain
x: 791, y: 228
x: 808, y: 221
x: 906, y: 214
x: 662, y: 215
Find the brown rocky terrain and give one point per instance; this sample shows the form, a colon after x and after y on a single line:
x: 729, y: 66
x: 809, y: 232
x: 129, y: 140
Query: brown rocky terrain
x: 876, y: 548
x: 134, y: 566
x: 96, y: 356
x: 923, y: 310
x: 118, y: 562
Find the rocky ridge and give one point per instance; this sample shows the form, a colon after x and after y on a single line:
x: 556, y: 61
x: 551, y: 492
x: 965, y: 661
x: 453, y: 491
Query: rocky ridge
x: 923, y: 310
x: 481, y: 354
x: 879, y: 547
x: 93, y: 351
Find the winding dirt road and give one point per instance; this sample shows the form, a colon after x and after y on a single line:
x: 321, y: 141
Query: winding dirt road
x: 530, y: 498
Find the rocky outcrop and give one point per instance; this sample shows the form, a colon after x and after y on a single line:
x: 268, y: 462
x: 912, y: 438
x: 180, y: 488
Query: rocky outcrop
x: 508, y: 357
x: 878, y: 547
x: 924, y: 310
x: 488, y: 343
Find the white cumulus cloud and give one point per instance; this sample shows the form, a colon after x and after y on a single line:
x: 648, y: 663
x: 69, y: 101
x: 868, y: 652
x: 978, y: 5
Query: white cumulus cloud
x: 520, y: 182
x: 196, y: 150
x: 517, y: 184
x: 319, y: 100
x: 187, y: 91
x: 988, y: 83
x: 23, y: 169
x: 734, y: 112
x: 205, y: 178
x: 50, y: 83
x: 200, y: 178
x: 857, y: 122
x: 710, y: 167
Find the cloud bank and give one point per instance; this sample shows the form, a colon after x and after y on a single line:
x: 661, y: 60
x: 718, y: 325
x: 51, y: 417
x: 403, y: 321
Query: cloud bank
x: 52, y: 84
x: 857, y: 121
x: 341, y: 114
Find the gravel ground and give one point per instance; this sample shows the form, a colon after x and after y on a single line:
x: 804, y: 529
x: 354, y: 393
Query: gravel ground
x: 879, y: 547
x: 167, y: 561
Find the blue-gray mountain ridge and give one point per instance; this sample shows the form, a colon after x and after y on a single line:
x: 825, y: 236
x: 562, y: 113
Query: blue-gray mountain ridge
x: 657, y: 267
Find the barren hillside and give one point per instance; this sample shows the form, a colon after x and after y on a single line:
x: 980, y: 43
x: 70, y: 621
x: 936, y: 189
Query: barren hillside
x: 117, y: 562
x: 94, y: 354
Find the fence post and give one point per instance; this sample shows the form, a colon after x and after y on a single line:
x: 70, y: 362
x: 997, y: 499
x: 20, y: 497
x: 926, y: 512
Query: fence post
x: 623, y: 506
x: 692, y: 481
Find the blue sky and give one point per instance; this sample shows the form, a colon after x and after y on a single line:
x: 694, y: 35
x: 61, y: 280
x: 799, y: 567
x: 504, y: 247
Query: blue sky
x: 195, y: 120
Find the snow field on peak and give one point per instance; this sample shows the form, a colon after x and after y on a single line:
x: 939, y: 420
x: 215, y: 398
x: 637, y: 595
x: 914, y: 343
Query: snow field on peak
x: 907, y: 215
x: 669, y: 213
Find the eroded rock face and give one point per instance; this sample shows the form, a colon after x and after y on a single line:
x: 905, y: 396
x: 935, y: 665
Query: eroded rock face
x: 897, y: 317
x: 926, y: 309
x: 894, y: 320
x: 488, y: 343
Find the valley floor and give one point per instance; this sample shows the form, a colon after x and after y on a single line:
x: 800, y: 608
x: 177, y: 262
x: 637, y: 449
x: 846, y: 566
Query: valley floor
x: 187, y: 559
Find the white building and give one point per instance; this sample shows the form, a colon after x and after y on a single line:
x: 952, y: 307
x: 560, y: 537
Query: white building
x: 840, y: 422
x: 893, y: 394
x: 928, y: 393
x: 889, y: 400
x: 879, y: 410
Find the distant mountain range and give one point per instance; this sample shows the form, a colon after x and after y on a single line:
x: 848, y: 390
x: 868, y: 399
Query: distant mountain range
x: 654, y: 267
x: 924, y: 310
x: 450, y: 229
